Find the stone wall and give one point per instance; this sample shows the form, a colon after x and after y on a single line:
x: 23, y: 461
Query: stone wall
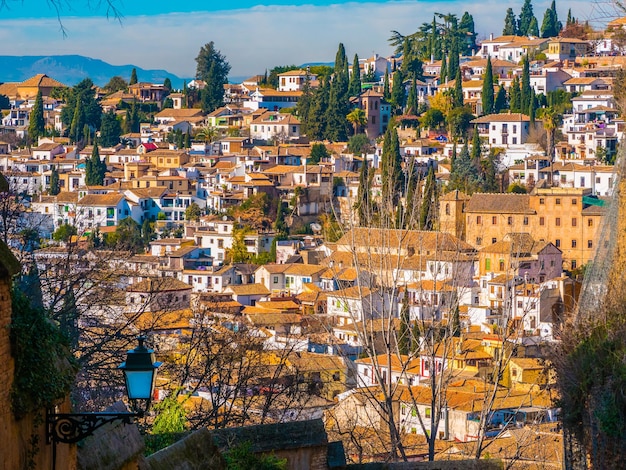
x: 23, y: 442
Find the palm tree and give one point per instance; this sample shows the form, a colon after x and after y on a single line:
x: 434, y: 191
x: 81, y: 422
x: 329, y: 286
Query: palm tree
x: 357, y: 118
x: 551, y: 121
x: 207, y: 133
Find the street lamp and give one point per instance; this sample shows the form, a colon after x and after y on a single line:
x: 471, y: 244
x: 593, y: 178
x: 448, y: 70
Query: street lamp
x: 140, y: 371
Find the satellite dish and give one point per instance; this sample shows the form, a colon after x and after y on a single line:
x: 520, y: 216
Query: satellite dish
x: 316, y: 227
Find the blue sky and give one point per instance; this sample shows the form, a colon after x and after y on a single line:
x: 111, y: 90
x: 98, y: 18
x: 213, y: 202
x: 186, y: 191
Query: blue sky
x: 167, y: 34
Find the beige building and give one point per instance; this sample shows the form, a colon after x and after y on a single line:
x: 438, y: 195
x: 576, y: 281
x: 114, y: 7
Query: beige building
x: 567, y: 217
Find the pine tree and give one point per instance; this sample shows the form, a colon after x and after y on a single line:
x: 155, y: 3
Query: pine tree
x: 549, y: 24
x: 355, y: 79
x: 467, y: 28
x: 304, y: 104
x: 489, y: 171
x: 110, y: 129
x: 510, y: 24
x: 464, y: 174
x: 316, y: 121
x: 36, y: 126
x: 487, y: 97
x: 457, y: 97
x: 54, y: 188
x: 133, y: 76
x: 500, y: 102
x: 525, y: 18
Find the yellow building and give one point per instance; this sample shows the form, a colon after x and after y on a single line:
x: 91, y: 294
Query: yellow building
x: 163, y: 159
x: 567, y: 217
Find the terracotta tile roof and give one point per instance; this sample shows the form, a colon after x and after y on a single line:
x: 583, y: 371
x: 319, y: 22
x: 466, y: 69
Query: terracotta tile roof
x: 179, y: 113
x: 263, y: 319
x: 159, y: 284
x: 503, y: 117
x: 421, y: 241
x: 248, y: 289
x: 298, y: 269
x: 352, y: 292
x: 42, y: 81
x: 111, y: 199
x: 499, y: 203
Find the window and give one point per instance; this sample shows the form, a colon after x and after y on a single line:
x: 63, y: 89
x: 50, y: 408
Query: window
x: 574, y: 264
x: 589, y: 222
x: 220, y: 243
x: 525, y: 220
x: 427, y: 412
x: 574, y: 221
x: 501, y: 265
x: 557, y: 243
x: 413, y: 411
x: 542, y: 200
x: 447, y: 208
x: 558, y: 201
x: 479, y: 241
x: 509, y: 220
x: 575, y: 201
x: 514, y: 372
x: 589, y: 243
x: 493, y: 240
x: 494, y: 220
x: 479, y: 220
x: 542, y: 221
x: 573, y: 243
x: 557, y: 221
x: 275, y: 279
x: 488, y: 264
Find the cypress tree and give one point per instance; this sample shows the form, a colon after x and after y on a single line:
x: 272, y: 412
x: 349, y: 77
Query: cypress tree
x: 316, y: 122
x: 95, y: 168
x: 532, y: 108
x: 549, y: 24
x: 397, y: 91
x: 525, y: 86
x: 54, y: 188
x: 533, y: 29
x: 443, y: 74
x: 363, y: 196
x: 570, y: 20
x: 515, y: 103
x: 487, y: 97
x: 464, y: 174
x: 304, y: 104
x: 411, y: 102
x: 453, y: 60
x: 428, y: 209
x: 500, y: 102
x: 488, y: 169
x: 476, y: 149
x: 355, y: 79
x: 510, y: 24
x: 77, y: 122
x: 404, y: 335
x: 411, y: 217
x: 525, y: 18
x: 457, y: 97
x: 36, y: 126
x: 386, y: 91
x: 133, y: 76
x: 391, y: 171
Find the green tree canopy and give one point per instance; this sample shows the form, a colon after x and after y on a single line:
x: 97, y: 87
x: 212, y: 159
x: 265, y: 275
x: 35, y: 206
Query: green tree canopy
x: 81, y: 108
x: 36, y: 126
x: 487, y: 96
x: 510, y: 24
x: 213, y: 69
x: 355, y: 78
x: 359, y: 144
x: 110, y: 129
x: 95, y: 168
x: 54, y: 187
x: 133, y: 77
x: 525, y: 18
x: 116, y: 83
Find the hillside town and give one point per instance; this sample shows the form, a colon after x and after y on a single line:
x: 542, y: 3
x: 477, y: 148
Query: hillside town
x: 393, y: 245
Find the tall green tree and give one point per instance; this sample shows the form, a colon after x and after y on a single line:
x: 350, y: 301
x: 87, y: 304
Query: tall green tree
x: 355, y: 79
x: 363, y: 200
x: 468, y: 34
x: 95, y: 168
x: 167, y: 83
x: 428, y: 209
x: 82, y: 96
x: 500, y: 102
x: 489, y: 171
x: 316, y: 121
x: 133, y: 77
x: 213, y: 69
x: 304, y: 104
x: 134, y: 121
x: 457, y: 95
x: 78, y: 124
x: 116, y: 83
x: 487, y: 96
x: 54, y: 187
x: 386, y: 90
x: 510, y: 24
x: 411, y: 102
x: 515, y: 98
x: 398, y: 96
x: 525, y: 18
x: 357, y: 118
x: 36, y: 126
x: 453, y: 61
x: 476, y: 148
x: 525, y: 90
x: 391, y: 172
x: 443, y: 73
x: 533, y: 28
x: 110, y: 130
x: 338, y: 99
x: 464, y: 174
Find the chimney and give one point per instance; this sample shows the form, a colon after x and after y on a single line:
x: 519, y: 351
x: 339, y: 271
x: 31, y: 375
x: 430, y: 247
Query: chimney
x: 491, y: 36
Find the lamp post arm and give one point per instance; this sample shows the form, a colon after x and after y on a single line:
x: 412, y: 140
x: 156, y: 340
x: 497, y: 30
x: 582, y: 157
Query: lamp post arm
x: 70, y: 428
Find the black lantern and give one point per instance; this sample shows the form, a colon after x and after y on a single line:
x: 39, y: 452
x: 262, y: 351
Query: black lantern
x: 140, y: 373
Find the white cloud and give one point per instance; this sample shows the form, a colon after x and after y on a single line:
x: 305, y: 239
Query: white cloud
x: 252, y: 40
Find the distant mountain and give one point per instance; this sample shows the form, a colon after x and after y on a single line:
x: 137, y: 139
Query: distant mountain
x: 71, y: 69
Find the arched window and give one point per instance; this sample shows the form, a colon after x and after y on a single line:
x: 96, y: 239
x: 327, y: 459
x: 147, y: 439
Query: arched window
x: 448, y: 208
